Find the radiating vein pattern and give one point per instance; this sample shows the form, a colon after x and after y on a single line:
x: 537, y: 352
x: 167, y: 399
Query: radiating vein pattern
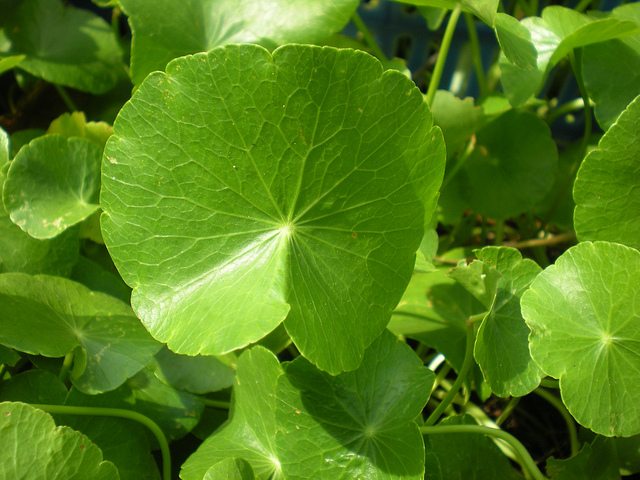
x: 241, y: 188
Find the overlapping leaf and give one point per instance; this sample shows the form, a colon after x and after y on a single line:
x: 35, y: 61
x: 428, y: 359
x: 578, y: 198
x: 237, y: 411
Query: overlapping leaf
x: 535, y: 45
x: 52, y: 316
x: 60, y: 44
x: 230, y: 207
x: 606, y: 188
x: 483, y: 9
x: 359, y: 424
x: 164, y: 30
x: 583, y: 313
x: 32, y: 447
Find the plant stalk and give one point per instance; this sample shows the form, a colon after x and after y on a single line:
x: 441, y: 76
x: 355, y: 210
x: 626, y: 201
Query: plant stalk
x: 66, y: 98
x: 560, y: 407
x: 368, y: 37
x: 66, y: 366
x: 219, y: 404
x: 119, y: 413
x: 476, y: 54
x: 442, y: 55
x: 525, y: 460
x: 464, y: 370
x: 508, y: 410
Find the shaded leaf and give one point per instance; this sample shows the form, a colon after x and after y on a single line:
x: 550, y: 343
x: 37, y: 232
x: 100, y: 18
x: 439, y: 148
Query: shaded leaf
x: 60, y: 44
x: 52, y: 316
x: 231, y: 469
x: 595, y: 461
x: 32, y: 447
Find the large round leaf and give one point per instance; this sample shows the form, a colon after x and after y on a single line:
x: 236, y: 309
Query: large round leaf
x: 165, y: 29
x: 52, y: 184
x: 31, y: 446
x: 53, y: 316
x: 61, y: 44
x: 584, y: 316
x: 241, y: 188
x: 606, y: 188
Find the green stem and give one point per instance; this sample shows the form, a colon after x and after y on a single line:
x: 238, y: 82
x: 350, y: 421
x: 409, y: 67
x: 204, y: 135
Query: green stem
x: 582, y: 5
x: 2, y: 369
x: 549, y: 383
x: 119, y: 413
x: 368, y: 37
x: 460, y: 161
x: 442, y: 55
x: 66, y: 366
x: 574, y: 57
x: 476, y: 54
x: 564, y: 109
x: 68, y: 101
x: 442, y: 374
x: 559, y: 406
x: 499, y: 240
x: 464, y: 370
x: 220, y: 404
x: 508, y: 410
x: 526, y: 462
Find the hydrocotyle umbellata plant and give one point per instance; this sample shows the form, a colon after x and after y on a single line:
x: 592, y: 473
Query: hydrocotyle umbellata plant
x: 270, y: 254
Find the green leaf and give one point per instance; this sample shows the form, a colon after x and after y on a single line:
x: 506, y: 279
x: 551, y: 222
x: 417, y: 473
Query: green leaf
x: 458, y: 119
x: 60, y: 44
x: 501, y: 347
x: 479, y: 279
x: 595, y: 461
x: 164, y: 30
x: 611, y: 70
x: 434, y: 310
x: 250, y: 432
x: 465, y: 456
x: 230, y: 208
x: 52, y: 184
x: 583, y: 316
x: 485, y: 10
x: 8, y: 356
x: 8, y: 63
x: 606, y: 187
x: 358, y: 424
x: 199, y: 374
x: 32, y: 447
x: 52, y: 316
x: 535, y: 45
x: 124, y: 443
x: 176, y: 412
x: 231, y: 469
x: 511, y: 169
x: 75, y: 125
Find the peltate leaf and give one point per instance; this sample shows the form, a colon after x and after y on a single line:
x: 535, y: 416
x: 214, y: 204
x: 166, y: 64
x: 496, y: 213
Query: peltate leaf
x: 52, y: 184
x: 52, y: 316
x: 606, y: 188
x: 229, y: 208
x: 358, y: 424
x: 584, y: 317
x: 163, y: 30
x: 32, y: 447
x: 60, y: 44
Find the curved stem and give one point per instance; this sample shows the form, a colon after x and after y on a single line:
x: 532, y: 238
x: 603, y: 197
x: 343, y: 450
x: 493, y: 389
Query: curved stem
x: 442, y: 55
x: 559, y: 406
x: 575, y: 66
x: 119, y: 413
x: 220, y: 404
x: 499, y: 232
x: 460, y: 161
x: 464, y: 370
x: 68, y: 101
x: 508, y: 410
x: 550, y: 383
x: 525, y: 460
x: 368, y: 37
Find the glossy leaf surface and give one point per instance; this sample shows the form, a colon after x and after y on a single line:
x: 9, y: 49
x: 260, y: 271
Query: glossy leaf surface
x: 583, y: 313
x: 606, y: 188
x: 229, y: 208
x: 164, y: 30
